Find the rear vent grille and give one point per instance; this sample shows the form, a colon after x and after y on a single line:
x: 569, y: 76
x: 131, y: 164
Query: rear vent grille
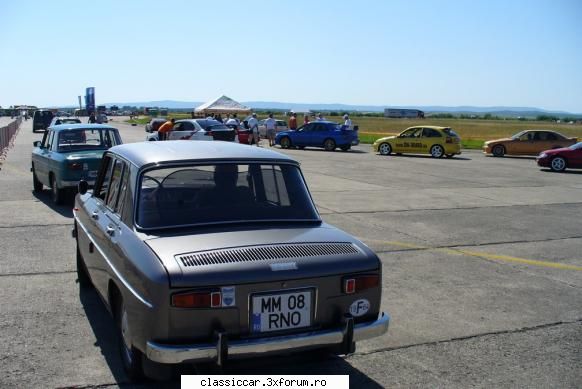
x: 266, y: 253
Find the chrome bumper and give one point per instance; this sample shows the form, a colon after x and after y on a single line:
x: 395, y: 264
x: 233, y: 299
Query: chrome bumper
x: 73, y: 184
x: 165, y: 353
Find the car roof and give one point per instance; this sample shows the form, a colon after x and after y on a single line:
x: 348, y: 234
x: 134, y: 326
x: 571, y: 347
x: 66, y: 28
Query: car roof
x: 145, y: 153
x: 432, y: 127
x: 80, y: 126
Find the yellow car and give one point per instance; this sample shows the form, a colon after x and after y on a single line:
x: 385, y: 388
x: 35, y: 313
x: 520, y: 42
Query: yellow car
x: 433, y: 140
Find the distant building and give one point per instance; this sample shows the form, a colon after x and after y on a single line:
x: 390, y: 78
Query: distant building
x: 403, y: 113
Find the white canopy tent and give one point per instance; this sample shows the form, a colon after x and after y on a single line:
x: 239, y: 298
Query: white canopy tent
x: 222, y: 105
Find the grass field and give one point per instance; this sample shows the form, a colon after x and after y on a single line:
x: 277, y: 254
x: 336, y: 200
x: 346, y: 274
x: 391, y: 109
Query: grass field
x: 473, y: 132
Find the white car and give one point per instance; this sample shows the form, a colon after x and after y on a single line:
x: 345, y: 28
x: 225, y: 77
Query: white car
x: 64, y: 120
x: 102, y: 118
x: 198, y: 129
x: 281, y: 126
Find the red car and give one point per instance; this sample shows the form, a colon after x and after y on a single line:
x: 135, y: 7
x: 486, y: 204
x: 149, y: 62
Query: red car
x: 560, y: 159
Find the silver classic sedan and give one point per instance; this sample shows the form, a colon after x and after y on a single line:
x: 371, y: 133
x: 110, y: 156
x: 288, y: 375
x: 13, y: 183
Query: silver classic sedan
x: 206, y: 251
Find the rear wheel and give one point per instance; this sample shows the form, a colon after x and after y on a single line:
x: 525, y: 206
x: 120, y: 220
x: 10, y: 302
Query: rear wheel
x: 558, y: 164
x: 437, y: 151
x: 329, y: 144
x: 130, y: 356
x: 498, y: 151
x: 285, y: 142
x: 36, y: 184
x: 57, y: 194
x: 385, y: 149
x: 82, y: 275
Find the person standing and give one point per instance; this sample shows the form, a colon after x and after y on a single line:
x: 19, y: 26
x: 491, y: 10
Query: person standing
x: 293, y: 121
x: 233, y: 120
x: 319, y: 118
x: 305, y: 119
x: 165, y: 129
x: 348, y: 122
x: 271, y: 127
x: 254, y: 127
x: 92, y: 118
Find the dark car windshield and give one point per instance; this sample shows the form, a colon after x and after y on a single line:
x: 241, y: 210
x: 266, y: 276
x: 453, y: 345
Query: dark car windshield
x: 450, y: 132
x: 215, y: 124
x: 87, y: 139
x: 223, y: 193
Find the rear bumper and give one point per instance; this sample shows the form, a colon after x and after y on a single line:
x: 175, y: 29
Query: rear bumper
x: 73, y: 184
x: 247, y: 348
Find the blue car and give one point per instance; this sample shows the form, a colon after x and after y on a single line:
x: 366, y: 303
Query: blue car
x: 69, y: 153
x: 328, y: 135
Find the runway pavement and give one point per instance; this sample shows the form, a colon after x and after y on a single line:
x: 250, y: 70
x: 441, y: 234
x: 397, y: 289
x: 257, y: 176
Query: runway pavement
x: 482, y: 274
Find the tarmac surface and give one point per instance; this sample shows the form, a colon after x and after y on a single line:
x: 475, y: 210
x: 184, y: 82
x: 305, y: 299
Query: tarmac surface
x: 482, y: 268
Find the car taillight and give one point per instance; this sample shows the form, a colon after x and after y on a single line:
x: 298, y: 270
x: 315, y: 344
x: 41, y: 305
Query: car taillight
x: 449, y: 139
x: 197, y: 300
x: 75, y: 166
x: 209, y: 133
x: 359, y: 283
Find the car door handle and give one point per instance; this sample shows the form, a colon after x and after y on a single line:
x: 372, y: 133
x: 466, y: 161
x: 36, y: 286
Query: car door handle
x: 110, y: 231
x: 95, y: 215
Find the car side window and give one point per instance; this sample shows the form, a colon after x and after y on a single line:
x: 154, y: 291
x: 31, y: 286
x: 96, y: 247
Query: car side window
x: 430, y: 133
x: 187, y: 126
x: 44, y: 142
x: 115, y: 184
x: 104, y: 177
x: 121, y: 203
x: 50, y: 140
x: 177, y: 127
x: 308, y: 127
x: 551, y: 136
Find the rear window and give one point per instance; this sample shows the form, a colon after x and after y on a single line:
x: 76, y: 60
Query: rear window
x: 223, y: 193
x: 450, y: 132
x: 87, y: 139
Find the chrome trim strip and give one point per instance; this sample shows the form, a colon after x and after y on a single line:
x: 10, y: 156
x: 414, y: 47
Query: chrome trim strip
x: 123, y: 281
x: 165, y: 353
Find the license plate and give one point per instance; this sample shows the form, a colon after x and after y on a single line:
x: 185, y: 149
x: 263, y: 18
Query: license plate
x: 93, y: 173
x: 281, y: 311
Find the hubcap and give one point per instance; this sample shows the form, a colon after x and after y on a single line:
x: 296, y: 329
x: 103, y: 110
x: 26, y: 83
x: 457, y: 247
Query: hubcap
x: 437, y: 151
x: 558, y: 164
x: 125, y: 336
x: 384, y: 149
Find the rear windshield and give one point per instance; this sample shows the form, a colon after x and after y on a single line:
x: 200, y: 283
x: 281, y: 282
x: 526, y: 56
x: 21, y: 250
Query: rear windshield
x: 223, y: 193
x: 450, y: 132
x: 87, y: 139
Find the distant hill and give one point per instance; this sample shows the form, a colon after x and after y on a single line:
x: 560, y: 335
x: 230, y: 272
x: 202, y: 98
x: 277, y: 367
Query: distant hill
x: 303, y: 107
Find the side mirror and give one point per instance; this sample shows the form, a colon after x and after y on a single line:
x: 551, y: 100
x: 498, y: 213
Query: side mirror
x: 82, y: 187
x: 36, y: 143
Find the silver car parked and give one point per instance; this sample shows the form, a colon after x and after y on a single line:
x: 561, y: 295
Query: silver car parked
x: 206, y: 251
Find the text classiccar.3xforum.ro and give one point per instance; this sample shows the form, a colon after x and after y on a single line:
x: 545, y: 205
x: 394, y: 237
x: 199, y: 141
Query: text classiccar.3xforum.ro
x: 265, y: 382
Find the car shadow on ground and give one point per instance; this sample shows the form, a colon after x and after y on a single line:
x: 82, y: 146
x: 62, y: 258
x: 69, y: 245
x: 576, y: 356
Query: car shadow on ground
x: 574, y: 172
x: 529, y: 157
x: 316, y: 149
x: 456, y: 157
x: 66, y: 209
x: 301, y: 364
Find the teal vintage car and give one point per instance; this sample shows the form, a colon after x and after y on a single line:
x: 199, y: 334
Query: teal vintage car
x: 69, y: 153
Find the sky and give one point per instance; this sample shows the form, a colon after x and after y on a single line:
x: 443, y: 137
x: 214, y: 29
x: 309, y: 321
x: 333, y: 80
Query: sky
x: 387, y: 53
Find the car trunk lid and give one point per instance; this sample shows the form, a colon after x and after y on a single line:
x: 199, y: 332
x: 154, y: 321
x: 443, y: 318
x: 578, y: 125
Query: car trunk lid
x: 246, y: 256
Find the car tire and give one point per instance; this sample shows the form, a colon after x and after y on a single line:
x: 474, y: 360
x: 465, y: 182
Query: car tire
x: 345, y: 147
x: 437, y: 151
x: 131, y: 357
x: 285, y: 142
x: 82, y: 274
x: 385, y: 149
x: 329, y: 144
x: 449, y: 155
x: 498, y: 151
x: 558, y: 164
x: 57, y: 194
x: 36, y: 184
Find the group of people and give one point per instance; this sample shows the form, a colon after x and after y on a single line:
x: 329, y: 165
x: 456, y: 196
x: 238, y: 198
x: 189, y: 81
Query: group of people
x: 252, y: 124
